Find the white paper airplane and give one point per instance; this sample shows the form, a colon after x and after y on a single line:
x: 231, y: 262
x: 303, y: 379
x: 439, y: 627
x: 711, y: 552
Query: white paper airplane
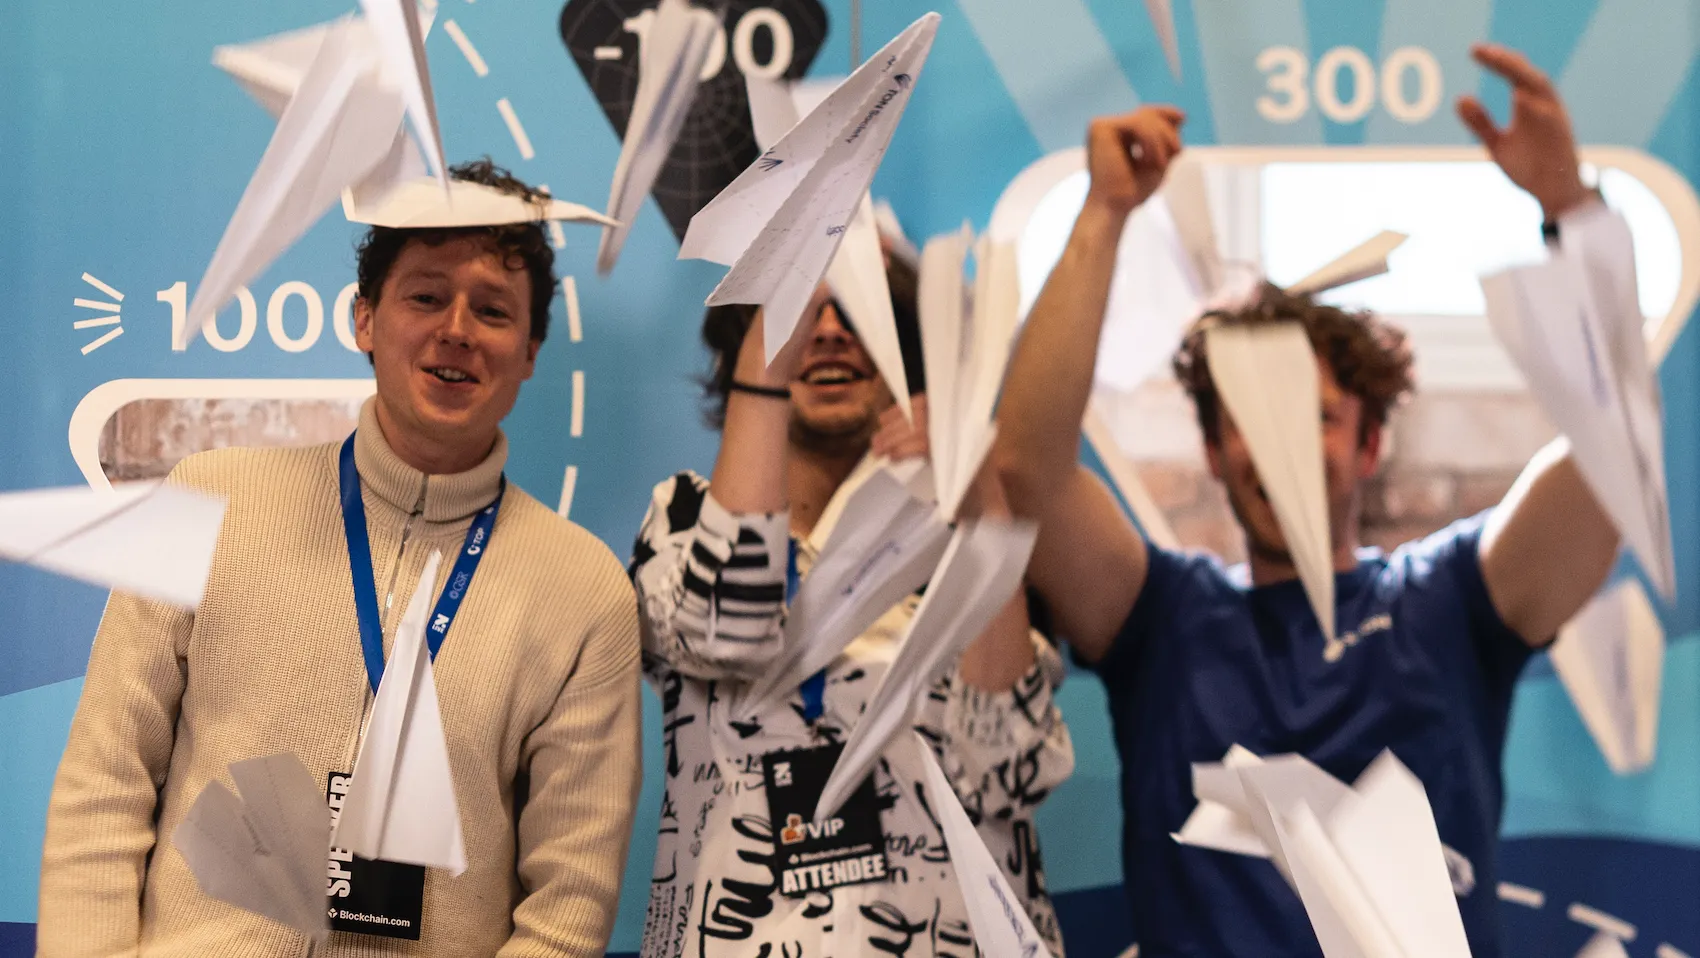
x: 1363, y: 261
x: 669, y: 71
x: 1163, y: 21
x: 1610, y: 658
x: 883, y: 546
x: 965, y: 344
x: 856, y: 275
x: 1573, y: 325
x: 401, y: 803
x: 1267, y: 377
x: 149, y: 538
x: 1366, y: 861
x: 1000, y: 922
x: 891, y: 231
x: 264, y: 852
x: 341, y: 127
x: 420, y: 204
x: 981, y: 569
x: 779, y: 224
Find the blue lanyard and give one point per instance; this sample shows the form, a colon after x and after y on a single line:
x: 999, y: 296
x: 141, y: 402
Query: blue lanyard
x: 813, y: 689
x: 366, y: 588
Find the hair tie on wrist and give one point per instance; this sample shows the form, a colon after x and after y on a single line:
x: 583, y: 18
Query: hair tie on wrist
x: 771, y: 392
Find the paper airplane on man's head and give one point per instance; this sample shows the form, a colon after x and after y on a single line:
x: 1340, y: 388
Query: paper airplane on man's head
x: 1366, y: 860
x: 1610, y: 658
x: 671, y: 59
x: 1363, y: 261
x: 340, y: 127
x: 149, y: 538
x: 420, y: 204
x: 401, y: 805
x: 1267, y: 377
x: 856, y: 276
x: 779, y: 224
x: 965, y: 345
x: 882, y: 547
x: 1573, y: 325
x: 981, y: 570
x: 264, y: 852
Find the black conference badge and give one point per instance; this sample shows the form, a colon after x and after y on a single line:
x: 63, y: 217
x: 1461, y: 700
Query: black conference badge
x: 370, y: 897
x: 774, y: 39
x: 809, y: 856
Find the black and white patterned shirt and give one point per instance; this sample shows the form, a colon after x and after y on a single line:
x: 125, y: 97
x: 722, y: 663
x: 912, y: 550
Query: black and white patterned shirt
x: 712, y: 589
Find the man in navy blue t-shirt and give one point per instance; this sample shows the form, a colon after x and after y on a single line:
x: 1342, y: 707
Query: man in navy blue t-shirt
x: 1197, y: 657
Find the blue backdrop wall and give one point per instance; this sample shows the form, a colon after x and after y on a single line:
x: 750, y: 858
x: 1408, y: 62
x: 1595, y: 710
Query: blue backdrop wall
x: 123, y: 152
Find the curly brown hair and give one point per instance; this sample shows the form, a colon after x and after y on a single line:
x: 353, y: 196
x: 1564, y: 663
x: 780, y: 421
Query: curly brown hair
x: 724, y: 328
x: 520, y: 245
x: 1370, y: 358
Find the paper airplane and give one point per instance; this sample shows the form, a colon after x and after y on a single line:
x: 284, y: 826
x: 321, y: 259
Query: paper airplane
x: 1266, y: 375
x: 1360, y: 263
x: 401, y: 803
x: 264, y: 852
x: 341, y: 126
x: 1573, y: 325
x: 1163, y: 21
x: 1610, y: 658
x: 856, y: 275
x: 779, y: 224
x: 671, y: 59
x: 981, y: 569
x: 420, y: 204
x: 1000, y: 922
x: 1603, y: 945
x: 1366, y: 861
x: 891, y: 232
x: 149, y: 538
x: 883, y: 546
x: 965, y: 345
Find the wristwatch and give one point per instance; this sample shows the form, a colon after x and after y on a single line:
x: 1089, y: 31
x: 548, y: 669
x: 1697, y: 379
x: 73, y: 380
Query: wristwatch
x: 1549, y: 228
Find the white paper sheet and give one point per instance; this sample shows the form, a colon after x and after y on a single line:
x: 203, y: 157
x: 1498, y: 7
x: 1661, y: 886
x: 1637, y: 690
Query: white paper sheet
x: 858, y: 282
x: 884, y: 545
x: 1367, y: 259
x: 1366, y: 860
x: 779, y: 224
x: 265, y: 851
x: 419, y: 203
x: 981, y: 569
x: 669, y: 72
x: 339, y: 125
x: 1573, y: 326
x: 1163, y: 21
x: 1266, y: 375
x: 401, y: 803
x: 1610, y: 658
x: 1001, y: 925
x: 149, y: 538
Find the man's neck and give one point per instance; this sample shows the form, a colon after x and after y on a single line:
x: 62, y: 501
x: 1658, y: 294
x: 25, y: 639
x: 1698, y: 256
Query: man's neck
x: 1269, y: 569
x: 811, y: 479
x: 429, y: 455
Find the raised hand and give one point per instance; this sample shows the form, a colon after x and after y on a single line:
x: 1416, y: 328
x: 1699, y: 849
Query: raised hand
x: 1127, y: 155
x: 898, y: 438
x: 1537, y: 149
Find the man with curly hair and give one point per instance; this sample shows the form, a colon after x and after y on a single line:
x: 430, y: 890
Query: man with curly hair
x: 536, y: 671
x: 1197, y: 657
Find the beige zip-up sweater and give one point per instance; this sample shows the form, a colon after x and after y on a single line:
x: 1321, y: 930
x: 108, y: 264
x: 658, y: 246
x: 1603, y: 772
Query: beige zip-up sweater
x: 537, y: 680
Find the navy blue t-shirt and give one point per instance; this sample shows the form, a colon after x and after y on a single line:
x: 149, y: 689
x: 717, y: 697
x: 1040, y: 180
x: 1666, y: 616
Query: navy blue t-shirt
x: 1423, y: 666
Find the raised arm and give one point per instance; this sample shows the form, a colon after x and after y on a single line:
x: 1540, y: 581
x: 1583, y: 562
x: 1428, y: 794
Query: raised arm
x: 1548, y: 546
x: 1090, y: 562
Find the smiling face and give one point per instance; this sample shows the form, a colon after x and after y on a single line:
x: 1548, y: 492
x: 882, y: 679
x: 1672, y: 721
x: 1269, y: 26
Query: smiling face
x: 1350, y: 454
x: 837, y: 397
x: 450, y: 339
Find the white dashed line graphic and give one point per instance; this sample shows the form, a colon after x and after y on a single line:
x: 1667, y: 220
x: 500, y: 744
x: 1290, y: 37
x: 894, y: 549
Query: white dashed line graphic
x: 1521, y: 895
x: 512, y: 119
x: 1600, y: 921
x: 578, y: 403
x: 466, y: 48
x: 575, y: 324
x: 568, y: 483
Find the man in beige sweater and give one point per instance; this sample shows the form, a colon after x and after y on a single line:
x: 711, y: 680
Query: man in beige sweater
x: 537, y: 679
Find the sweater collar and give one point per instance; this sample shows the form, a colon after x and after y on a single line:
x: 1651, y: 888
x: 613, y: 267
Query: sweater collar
x: 446, y: 498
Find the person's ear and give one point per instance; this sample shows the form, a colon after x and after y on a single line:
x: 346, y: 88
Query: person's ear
x: 363, y: 317
x: 1369, y: 451
x: 531, y: 348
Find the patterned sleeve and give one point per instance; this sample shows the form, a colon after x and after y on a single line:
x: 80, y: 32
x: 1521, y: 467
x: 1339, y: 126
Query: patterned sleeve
x: 1003, y: 751
x: 710, y: 584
